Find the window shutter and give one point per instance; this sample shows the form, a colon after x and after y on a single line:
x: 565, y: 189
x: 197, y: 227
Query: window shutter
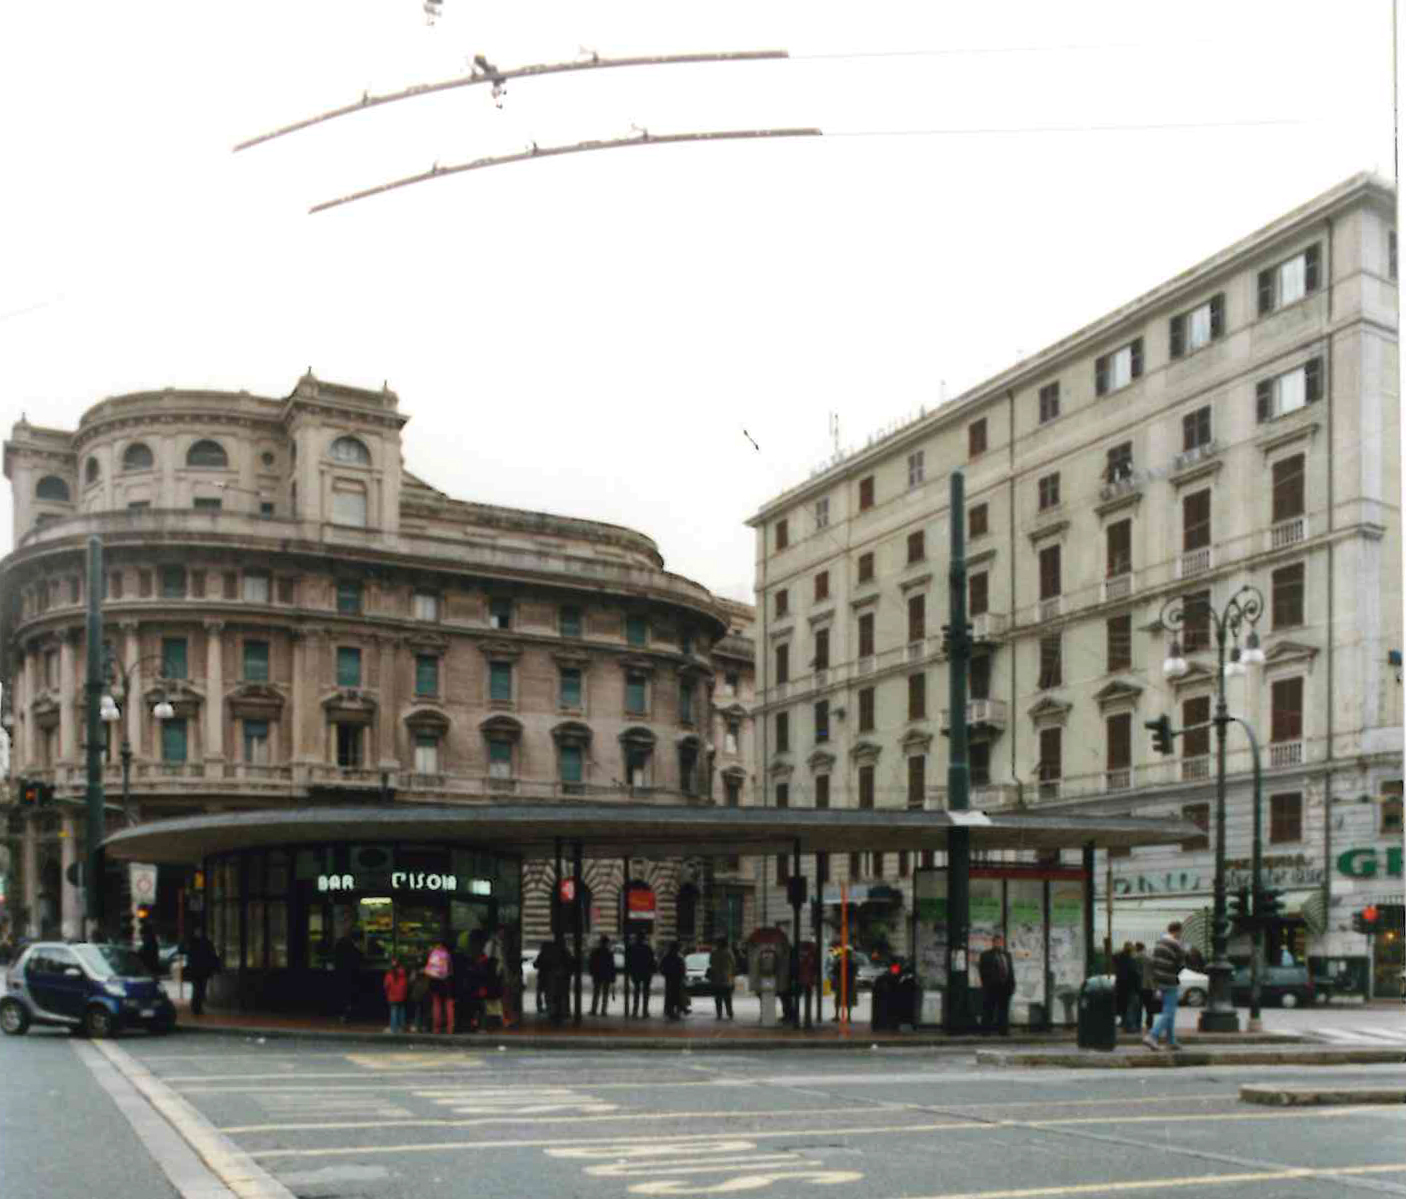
x: 1178, y: 336
x: 1266, y: 291
x: 1136, y: 348
x: 1101, y: 375
x: 1310, y: 268
x: 1313, y: 380
x: 1264, y: 399
x: 1217, y: 315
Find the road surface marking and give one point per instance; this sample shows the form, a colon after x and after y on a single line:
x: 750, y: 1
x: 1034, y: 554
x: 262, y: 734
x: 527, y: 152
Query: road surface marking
x: 405, y: 1062
x: 665, y: 1165
x: 969, y: 1125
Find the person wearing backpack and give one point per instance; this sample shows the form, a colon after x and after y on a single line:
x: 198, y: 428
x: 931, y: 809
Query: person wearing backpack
x: 439, y: 966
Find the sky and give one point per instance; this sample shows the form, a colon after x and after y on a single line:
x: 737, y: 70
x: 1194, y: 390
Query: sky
x: 591, y: 335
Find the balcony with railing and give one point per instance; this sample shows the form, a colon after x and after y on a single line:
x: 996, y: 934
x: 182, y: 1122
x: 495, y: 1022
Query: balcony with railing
x: 985, y: 715
x: 1288, y: 532
x: 1117, y: 587
x: 1049, y: 609
x: 990, y: 626
x: 1285, y: 753
x: 983, y: 796
x: 1194, y: 562
x: 1196, y: 769
x: 1119, y: 779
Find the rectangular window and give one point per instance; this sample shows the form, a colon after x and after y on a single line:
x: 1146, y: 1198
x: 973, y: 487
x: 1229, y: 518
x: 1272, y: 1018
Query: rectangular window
x: 877, y: 857
x: 500, y: 613
x: 1050, y: 583
x: 783, y: 603
x: 978, y: 593
x: 230, y: 584
x: 866, y: 787
x: 1196, y: 721
x: 783, y: 732
x: 570, y: 696
x: 1196, y: 621
x: 173, y: 658
x: 349, y: 746
x: 1051, y: 667
x: 866, y: 710
x: 730, y: 739
x: 1290, y: 391
x: 976, y: 438
x: 1049, y: 402
x: 205, y: 503
x: 500, y: 682
x: 915, y: 468
x: 256, y: 742
x: 258, y: 588
x: 979, y: 763
x: 1196, y: 520
x: 426, y: 674
x: 635, y: 697
x: 256, y: 661
x: 424, y: 605
x: 822, y: 721
x: 917, y: 547
x: 1285, y: 818
x: 572, y: 767
x: 1286, y: 710
x: 903, y: 870
x: 1289, y: 499
x: 783, y: 868
x: 1289, y: 281
x: 783, y: 795
x: 731, y: 683
x: 866, y: 635
x: 1120, y: 642
x: 1198, y: 814
x: 1051, y: 766
x: 426, y: 754
x: 1048, y: 488
x: 114, y: 587
x: 173, y: 582
x: 917, y: 780
x: 500, y: 759
x: 917, y: 617
x: 732, y: 792
x: 1286, y: 595
x: 1196, y: 429
x: 349, y: 505
x: 348, y: 666
x: 1118, y: 369
x: 685, y: 701
x: 1119, y: 730
x: 1391, y: 822
x: 977, y: 521
x: 265, y: 509
x: 287, y: 590
x: 1199, y: 327
x: 1119, y: 538
x: 783, y: 662
x: 822, y: 791
x: 822, y: 512
x: 783, y: 535
x: 866, y: 493
x: 174, y: 744
x: 822, y: 586
x: 197, y: 584
x: 822, y: 649
x: 1120, y: 462
x: 569, y: 621
x: 866, y: 567
x: 349, y: 597
x: 917, y: 697
x: 979, y: 677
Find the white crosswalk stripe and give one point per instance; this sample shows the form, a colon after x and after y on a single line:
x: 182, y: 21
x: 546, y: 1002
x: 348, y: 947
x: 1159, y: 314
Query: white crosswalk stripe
x: 1360, y: 1036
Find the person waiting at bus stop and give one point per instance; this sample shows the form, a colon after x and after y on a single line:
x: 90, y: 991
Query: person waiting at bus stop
x: 844, y: 974
x: 640, y: 966
x: 997, y: 970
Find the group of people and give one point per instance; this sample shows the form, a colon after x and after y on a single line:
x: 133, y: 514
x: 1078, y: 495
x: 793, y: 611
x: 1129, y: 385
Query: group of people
x: 1140, y: 978
x: 453, y: 990
x: 640, y: 967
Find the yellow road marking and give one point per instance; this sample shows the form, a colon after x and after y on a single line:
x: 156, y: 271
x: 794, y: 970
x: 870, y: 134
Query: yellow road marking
x: 946, y: 1126
x: 1199, y: 1180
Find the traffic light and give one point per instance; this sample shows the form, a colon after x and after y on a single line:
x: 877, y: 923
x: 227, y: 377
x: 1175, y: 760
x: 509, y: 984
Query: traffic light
x: 1240, y: 906
x: 126, y: 926
x: 143, y: 914
x: 1271, y: 904
x: 1161, y: 733
x: 35, y: 794
x: 1367, y: 921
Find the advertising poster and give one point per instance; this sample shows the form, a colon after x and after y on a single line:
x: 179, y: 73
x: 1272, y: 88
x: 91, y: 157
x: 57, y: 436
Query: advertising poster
x: 1025, y: 938
x: 986, y: 921
x: 930, y: 927
x: 1067, y: 944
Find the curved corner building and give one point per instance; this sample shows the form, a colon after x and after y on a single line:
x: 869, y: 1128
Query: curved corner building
x: 329, y: 629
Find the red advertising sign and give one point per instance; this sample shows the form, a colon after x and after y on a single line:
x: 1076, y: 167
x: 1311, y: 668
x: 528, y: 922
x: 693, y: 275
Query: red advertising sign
x: 639, y: 903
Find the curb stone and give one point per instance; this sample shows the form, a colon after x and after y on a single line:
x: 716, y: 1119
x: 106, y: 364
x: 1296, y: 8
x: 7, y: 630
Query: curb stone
x: 1305, y: 1096
x: 1147, y: 1060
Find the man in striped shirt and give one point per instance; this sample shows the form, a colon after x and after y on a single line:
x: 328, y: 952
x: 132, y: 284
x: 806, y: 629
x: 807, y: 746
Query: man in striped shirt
x: 1168, y: 958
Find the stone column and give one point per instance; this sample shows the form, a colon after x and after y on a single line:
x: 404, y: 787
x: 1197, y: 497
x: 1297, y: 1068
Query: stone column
x: 214, y: 691
x: 68, y: 739
x: 134, y: 701
x: 389, y: 703
x: 71, y: 901
x: 308, y: 675
x: 31, y: 691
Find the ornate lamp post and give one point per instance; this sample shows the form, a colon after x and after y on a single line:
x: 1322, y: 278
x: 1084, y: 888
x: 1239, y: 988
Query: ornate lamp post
x: 119, y: 680
x: 1241, y: 611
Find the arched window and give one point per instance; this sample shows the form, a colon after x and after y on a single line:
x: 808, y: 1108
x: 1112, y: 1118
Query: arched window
x: 138, y: 456
x: 207, y: 453
x: 92, y: 471
x: 349, y: 449
x: 51, y: 487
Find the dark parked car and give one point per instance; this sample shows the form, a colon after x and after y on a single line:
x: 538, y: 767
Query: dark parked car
x: 1287, y: 986
x: 97, y: 989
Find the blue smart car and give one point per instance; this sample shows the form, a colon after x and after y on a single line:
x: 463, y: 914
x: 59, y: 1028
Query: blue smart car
x: 96, y: 988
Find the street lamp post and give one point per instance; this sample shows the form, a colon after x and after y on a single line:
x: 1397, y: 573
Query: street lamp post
x: 119, y: 679
x: 1242, y: 610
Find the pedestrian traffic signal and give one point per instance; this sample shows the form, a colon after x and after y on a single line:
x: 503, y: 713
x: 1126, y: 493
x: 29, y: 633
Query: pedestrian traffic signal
x: 1161, y: 733
x: 1367, y: 921
x: 1271, y: 904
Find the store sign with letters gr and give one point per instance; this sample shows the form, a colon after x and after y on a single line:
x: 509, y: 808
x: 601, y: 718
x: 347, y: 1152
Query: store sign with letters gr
x: 1363, y: 863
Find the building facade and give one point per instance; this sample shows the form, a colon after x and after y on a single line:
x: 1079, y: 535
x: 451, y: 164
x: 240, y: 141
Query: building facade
x: 1238, y: 425
x: 327, y: 628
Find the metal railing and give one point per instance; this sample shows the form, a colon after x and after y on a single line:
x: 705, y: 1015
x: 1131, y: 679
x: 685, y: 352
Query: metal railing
x: 1288, y: 532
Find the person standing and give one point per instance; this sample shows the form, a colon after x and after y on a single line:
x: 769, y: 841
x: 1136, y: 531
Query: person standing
x: 997, y: 970
x: 1168, y: 958
x: 844, y: 975
x: 396, y: 985
x: 202, y: 963
x: 1145, y: 992
x: 640, y: 966
x: 722, y: 973
x: 346, y: 973
x: 672, y: 968
x: 439, y: 967
x: 150, y: 951
x: 602, y: 967
x: 1125, y: 988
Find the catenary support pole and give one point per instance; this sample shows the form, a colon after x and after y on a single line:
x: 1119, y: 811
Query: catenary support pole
x: 956, y: 1015
x: 97, y: 825
x: 1088, y: 909
x: 794, y: 982
x: 578, y: 922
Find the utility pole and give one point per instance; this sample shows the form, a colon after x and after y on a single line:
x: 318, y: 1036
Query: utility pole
x: 955, y: 1011
x: 97, y: 823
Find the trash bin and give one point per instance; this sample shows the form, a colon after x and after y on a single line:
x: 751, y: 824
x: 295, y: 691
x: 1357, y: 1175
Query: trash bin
x: 883, y: 1010
x: 1037, y: 1018
x: 1098, y: 1026
x: 908, y: 1001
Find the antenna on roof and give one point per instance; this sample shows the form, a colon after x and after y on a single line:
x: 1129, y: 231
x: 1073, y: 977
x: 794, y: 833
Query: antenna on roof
x: 835, y: 432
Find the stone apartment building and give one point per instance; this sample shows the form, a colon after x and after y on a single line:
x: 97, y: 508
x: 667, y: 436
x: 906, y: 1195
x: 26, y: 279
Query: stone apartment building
x: 1237, y: 425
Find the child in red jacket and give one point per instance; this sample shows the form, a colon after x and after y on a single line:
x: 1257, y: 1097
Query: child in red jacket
x: 397, y: 987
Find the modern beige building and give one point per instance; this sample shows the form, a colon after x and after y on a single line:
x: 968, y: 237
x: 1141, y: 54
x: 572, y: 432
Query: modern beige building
x: 327, y: 628
x: 1237, y: 425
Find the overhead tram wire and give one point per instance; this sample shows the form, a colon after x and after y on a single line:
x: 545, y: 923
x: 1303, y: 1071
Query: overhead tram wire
x: 536, y: 151
x: 497, y: 77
